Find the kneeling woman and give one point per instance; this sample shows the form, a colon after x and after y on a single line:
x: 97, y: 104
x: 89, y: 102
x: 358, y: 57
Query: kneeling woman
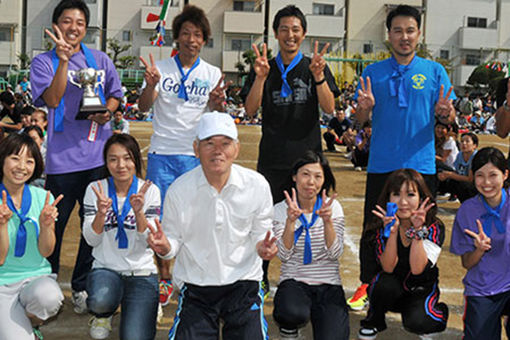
x: 408, y: 245
x: 29, y: 293
x: 117, y: 212
x: 309, y: 228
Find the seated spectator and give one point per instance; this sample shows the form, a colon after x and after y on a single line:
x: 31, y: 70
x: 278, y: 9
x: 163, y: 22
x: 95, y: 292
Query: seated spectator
x: 460, y: 182
x: 408, y: 243
x: 118, y: 123
x: 37, y: 135
x: 477, y: 121
x: 26, y: 117
x: 490, y: 125
x: 463, y: 122
x: 12, y: 110
x: 446, y: 147
x: 339, y: 132
x: 310, y: 288
x: 362, y: 147
x: 40, y: 118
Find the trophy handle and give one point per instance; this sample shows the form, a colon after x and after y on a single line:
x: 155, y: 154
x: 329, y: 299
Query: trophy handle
x: 71, y: 76
x: 100, y: 78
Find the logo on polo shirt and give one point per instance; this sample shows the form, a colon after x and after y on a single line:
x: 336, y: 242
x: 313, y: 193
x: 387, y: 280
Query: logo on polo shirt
x: 418, y: 81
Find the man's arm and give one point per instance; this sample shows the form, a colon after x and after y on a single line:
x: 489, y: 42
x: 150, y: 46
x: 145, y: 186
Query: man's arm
x: 152, y: 77
x: 261, y: 69
x: 366, y: 101
x: 503, y: 112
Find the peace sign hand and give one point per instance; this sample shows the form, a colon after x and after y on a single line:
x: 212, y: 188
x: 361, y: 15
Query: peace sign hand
x: 418, y: 216
x: 217, y: 95
x: 5, y: 212
x: 482, y: 241
x: 62, y: 48
x: 261, y: 65
x: 151, y: 75
x: 293, y: 209
x: 157, y: 239
x: 317, y: 64
x: 49, y: 213
x: 444, y: 106
x: 366, y: 99
x: 138, y: 200
x: 381, y: 213
x: 326, y: 210
x: 103, y: 202
x: 267, y: 248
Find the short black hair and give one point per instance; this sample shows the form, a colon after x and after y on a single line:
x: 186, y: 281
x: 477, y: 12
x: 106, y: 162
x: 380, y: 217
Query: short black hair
x: 7, y: 98
x: 196, y: 16
x: 35, y: 128
x: 132, y: 147
x: 71, y: 4
x: 289, y: 11
x: 404, y: 11
x: 489, y: 155
x: 13, y: 144
x: 27, y: 110
x: 471, y: 135
x: 311, y: 157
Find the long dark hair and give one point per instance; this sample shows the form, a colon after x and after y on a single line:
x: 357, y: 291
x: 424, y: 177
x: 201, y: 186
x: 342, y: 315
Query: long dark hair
x: 393, y: 185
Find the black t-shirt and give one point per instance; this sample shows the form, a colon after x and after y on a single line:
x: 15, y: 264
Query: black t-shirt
x: 339, y: 127
x: 290, y: 126
x: 501, y: 92
x: 15, y: 116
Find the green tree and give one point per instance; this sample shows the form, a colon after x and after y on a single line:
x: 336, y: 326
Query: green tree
x: 116, y: 50
x: 482, y: 75
x: 248, y: 60
x: 24, y: 61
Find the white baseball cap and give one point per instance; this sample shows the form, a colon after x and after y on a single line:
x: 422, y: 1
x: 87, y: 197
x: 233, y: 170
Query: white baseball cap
x: 216, y: 124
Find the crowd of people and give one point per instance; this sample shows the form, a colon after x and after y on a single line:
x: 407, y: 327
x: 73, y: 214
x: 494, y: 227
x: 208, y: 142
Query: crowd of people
x: 222, y: 223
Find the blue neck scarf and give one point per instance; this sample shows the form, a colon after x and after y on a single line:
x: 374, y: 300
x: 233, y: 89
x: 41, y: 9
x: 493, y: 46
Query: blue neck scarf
x: 58, y: 124
x: 397, y: 84
x: 21, y: 235
x: 112, y: 193
x: 182, y: 89
x: 286, y: 90
x: 391, y: 210
x: 305, y: 225
x: 493, y: 215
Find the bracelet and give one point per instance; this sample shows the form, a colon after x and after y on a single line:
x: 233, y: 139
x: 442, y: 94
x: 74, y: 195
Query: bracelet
x: 417, y: 234
x: 320, y: 81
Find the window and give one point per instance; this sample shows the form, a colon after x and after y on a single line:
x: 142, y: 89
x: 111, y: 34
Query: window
x: 210, y: 43
x: 240, y: 44
x: 5, y: 34
x: 368, y: 48
x: 444, y: 54
x: 323, y: 9
x: 477, y: 22
x: 472, y: 59
x: 126, y: 35
x: 244, y: 6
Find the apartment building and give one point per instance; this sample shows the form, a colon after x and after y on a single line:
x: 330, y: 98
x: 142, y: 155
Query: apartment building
x: 10, y: 33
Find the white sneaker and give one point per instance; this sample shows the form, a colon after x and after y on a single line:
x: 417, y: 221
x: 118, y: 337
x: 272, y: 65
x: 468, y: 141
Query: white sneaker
x: 348, y: 155
x: 358, y: 168
x: 79, y: 300
x: 100, y: 328
x: 288, y: 334
x: 160, y: 314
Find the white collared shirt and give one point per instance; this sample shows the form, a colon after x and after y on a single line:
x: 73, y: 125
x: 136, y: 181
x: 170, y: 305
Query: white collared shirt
x: 212, y: 234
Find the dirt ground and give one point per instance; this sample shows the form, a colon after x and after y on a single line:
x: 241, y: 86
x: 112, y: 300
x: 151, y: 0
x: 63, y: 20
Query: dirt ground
x: 350, y: 188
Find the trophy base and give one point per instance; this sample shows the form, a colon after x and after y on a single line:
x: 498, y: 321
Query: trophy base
x: 90, y: 106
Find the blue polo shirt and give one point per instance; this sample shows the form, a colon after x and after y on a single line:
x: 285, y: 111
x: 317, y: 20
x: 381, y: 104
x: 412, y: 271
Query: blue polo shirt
x: 403, y: 137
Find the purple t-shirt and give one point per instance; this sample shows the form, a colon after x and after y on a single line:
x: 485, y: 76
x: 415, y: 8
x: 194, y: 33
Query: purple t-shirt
x: 492, y: 274
x: 69, y: 150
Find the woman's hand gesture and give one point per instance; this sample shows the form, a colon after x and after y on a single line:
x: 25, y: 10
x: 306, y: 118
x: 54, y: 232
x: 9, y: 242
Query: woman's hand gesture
x: 418, y: 216
x: 482, y: 241
x: 103, y: 202
x: 293, y: 209
x: 326, y: 210
x: 5, y: 212
x: 381, y: 213
x: 49, y: 213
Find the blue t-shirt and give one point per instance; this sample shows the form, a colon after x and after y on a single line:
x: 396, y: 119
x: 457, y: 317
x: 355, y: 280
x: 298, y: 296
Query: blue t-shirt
x: 403, y: 137
x: 461, y: 166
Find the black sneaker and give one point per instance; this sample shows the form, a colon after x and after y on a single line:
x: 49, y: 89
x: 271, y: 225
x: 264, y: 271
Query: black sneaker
x: 367, y: 333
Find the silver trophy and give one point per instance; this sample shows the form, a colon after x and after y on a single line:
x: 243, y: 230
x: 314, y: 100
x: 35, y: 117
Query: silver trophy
x: 88, y: 79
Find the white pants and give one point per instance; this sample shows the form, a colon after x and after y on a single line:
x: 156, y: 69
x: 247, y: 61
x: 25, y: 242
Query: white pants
x: 40, y: 296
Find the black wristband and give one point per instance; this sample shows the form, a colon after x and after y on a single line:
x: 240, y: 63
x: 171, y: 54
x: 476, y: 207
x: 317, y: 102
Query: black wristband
x: 320, y: 81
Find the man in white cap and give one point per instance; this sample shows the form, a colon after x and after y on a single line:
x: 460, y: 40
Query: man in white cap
x: 216, y: 223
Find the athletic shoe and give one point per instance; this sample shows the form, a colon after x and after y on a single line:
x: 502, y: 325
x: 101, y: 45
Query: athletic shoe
x: 165, y: 291
x: 266, y: 289
x: 287, y: 334
x: 367, y: 333
x: 100, y: 328
x: 348, y: 155
x: 360, y: 298
x: 37, y: 333
x: 79, y: 300
x: 160, y: 314
x: 358, y: 168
